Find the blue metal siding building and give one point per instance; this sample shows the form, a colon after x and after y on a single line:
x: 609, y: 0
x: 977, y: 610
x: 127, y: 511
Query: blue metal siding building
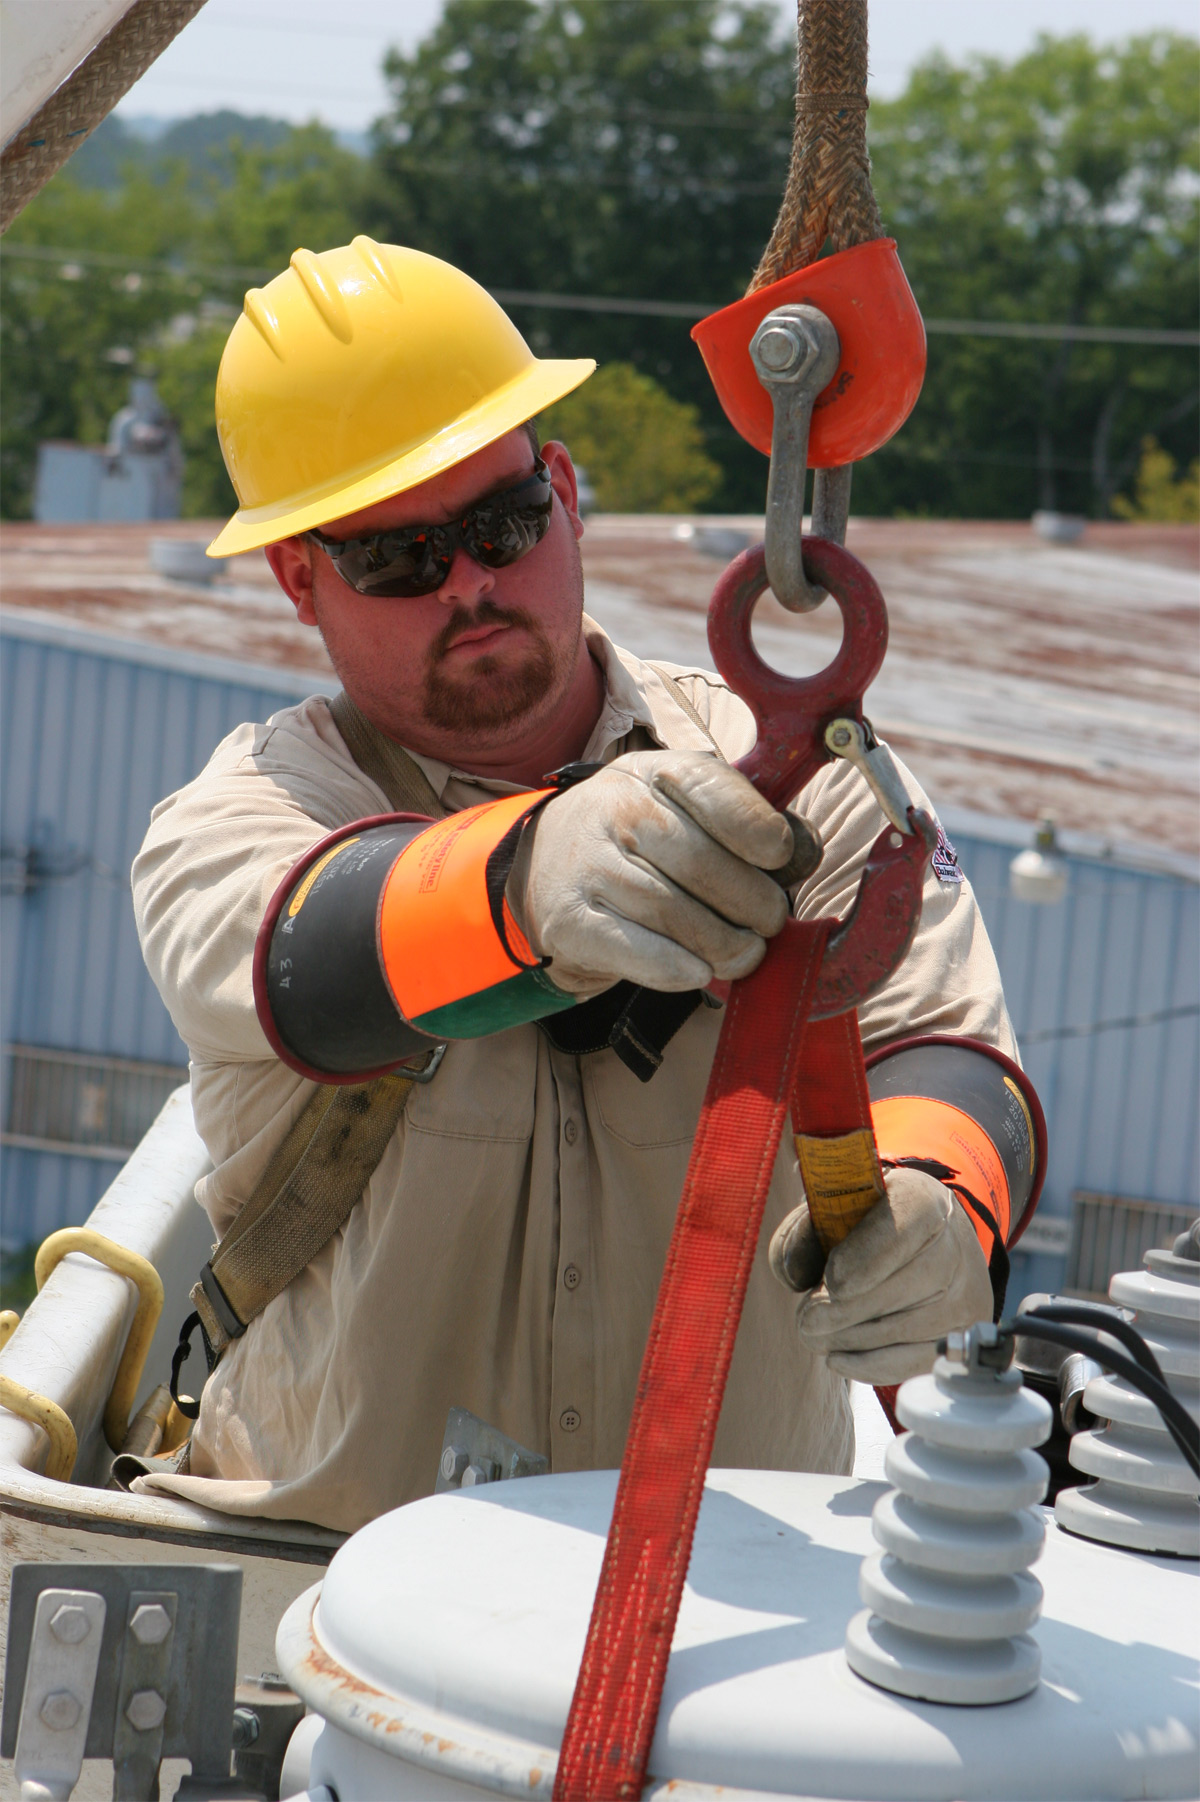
x: 96, y: 730
x: 93, y: 732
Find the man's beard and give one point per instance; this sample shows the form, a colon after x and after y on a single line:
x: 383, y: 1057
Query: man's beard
x: 495, y: 693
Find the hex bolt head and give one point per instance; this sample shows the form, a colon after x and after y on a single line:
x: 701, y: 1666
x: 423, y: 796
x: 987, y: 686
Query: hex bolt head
x: 60, y: 1711
x: 246, y: 1729
x: 454, y: 1462
x: 840, y: 736
x: 483, y: 1470
x: 146, y: 1710
x: 150, y: 1624
x: 70, y: 1624
x: 778, y: 349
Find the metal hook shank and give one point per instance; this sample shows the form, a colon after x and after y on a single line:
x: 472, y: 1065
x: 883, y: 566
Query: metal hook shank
x: 795, y: 353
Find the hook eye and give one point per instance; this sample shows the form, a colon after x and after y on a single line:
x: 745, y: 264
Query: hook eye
x: 791, y: 712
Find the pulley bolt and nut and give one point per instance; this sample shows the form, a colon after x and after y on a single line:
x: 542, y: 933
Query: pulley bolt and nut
x: 60, y: 1710
x: 150, y: 1624
x: 778, y: 349
x: 840, y: 737
x: 482, y: 1470
x: 146, y: 1710
x: 70, y: 1625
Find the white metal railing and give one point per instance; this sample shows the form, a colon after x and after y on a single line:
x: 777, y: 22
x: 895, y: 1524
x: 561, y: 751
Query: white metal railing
x: 69, y: 1345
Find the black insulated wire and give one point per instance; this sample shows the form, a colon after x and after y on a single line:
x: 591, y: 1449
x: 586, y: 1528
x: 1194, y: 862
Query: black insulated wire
x: 1082, y: 1313
x: 1178, y: 1422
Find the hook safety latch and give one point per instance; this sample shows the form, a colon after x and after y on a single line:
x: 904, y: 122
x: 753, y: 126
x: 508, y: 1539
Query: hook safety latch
x: 855, y: 741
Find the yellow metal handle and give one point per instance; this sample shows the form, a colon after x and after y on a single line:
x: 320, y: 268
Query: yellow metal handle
x: 9, y: 1322
x: 54, y: 1423
x: 145, y: 1277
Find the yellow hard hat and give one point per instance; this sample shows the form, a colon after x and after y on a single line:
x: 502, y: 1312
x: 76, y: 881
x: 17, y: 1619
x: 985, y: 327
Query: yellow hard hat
x: 358, y: 373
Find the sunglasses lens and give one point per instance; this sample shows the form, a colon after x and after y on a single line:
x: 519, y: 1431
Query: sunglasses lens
x: 497, y: 535
x: 416, y: 560
x: 396, y: 565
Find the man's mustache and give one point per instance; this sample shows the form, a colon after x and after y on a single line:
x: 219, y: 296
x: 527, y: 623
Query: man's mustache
x: 486, y: 614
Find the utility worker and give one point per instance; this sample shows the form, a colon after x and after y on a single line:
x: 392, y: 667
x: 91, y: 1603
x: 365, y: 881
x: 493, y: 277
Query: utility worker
x: 500, y: 1247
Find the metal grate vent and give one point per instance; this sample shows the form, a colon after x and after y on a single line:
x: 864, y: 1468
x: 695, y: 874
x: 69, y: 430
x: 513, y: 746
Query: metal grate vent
x: 95, y: 1106
x: 1112, y: 1232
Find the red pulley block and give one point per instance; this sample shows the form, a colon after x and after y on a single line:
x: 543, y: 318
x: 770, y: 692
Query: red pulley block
x: 865, y: 293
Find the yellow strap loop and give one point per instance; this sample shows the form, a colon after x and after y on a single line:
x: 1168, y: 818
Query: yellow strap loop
x: 150, y: 1304
x: 54, y: 1423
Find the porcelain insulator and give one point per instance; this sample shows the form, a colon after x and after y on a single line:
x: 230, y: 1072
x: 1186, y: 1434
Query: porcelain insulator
x: 1145, y: 1496
x: 950, y: 1598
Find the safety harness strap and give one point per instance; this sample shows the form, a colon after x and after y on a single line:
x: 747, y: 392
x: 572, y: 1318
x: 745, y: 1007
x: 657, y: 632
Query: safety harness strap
x: 335, y: 1145
x: 303, y: 1197
x: 684, y: 1371
x: 388, y: 764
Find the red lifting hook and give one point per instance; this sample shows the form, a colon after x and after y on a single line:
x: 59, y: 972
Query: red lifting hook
x: 792, y: 714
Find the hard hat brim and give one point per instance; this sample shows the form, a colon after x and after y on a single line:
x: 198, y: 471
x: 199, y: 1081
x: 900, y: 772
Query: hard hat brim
x: 536, y: 387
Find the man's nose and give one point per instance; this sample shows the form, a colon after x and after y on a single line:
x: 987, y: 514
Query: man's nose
x: 466, y: 582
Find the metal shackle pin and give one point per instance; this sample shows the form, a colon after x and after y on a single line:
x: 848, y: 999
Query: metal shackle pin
x: 795, y: 352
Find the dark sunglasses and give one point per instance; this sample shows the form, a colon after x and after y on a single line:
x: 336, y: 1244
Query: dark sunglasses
x: 409, y: 560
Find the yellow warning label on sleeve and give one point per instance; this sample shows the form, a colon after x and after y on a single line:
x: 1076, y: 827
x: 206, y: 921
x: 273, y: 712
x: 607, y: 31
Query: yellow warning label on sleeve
x: 842, y: 1181
x: 301, y: 895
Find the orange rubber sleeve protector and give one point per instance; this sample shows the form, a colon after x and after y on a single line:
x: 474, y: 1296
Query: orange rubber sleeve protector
x: 915, y: 1126
x: 445, y: 933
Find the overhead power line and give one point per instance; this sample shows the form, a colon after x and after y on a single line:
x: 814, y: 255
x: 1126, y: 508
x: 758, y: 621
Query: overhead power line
x: 1086, y: 1032
x: 961, y: 328
x: 617, y: 304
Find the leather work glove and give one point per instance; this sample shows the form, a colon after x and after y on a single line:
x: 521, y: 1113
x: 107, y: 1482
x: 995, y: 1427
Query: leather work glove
x: 653, y: 871
x: 909, y: 1273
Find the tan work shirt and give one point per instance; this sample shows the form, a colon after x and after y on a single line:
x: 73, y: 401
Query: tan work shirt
x: 506, y: 1254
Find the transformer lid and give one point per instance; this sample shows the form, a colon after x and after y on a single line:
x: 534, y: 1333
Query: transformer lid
x: 449, y: 1633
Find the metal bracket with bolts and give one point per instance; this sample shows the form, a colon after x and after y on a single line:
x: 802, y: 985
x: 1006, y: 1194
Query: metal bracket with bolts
x: 160, y: 1644
x: 474, y: 1453
x: 60, y: 1680
x: 857, y: 744
x: 795, y: 352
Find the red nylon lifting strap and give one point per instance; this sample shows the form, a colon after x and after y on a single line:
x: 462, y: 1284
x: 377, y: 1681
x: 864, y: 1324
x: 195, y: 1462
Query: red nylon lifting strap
x: 613, y: 1714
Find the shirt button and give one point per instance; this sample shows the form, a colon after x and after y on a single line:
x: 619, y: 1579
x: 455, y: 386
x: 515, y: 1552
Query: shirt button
x: 572, y: 1277
x: 569, y: 1420
x: 570, y: 1132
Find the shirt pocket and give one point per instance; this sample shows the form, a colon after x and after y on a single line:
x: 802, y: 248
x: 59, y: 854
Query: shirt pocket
x: 665, y: 1110
x: 483, y: 1089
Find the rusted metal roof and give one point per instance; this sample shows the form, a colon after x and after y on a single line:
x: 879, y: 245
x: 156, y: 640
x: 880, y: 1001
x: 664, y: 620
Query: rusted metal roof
x: 1023, y: 677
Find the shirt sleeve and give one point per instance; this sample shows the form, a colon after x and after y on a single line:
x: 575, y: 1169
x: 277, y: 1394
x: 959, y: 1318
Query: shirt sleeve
x: 216, y: 852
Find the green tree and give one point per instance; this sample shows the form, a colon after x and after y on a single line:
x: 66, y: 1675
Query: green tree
x: 1057, y: 188
x: 643, y: 451
x: 186, y: 370
x: 603, y: 147
x: 1159, y: 491
x: 103, y: 283
x: 85, y: 288
x: 638, y: 148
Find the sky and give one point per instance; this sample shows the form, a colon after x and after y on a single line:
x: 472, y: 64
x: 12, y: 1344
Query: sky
x: 304, y: 59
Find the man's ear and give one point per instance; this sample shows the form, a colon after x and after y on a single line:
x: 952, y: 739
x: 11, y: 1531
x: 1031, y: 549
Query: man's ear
x: 291, y: 565
x: 557, y: 459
